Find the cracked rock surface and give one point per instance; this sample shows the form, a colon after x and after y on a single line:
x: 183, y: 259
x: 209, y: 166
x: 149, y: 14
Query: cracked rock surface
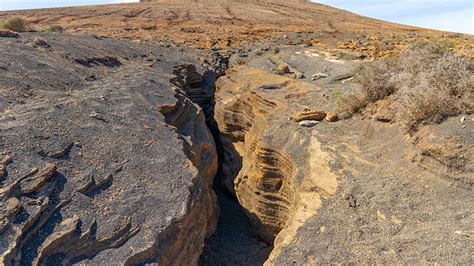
x: 104, y: 160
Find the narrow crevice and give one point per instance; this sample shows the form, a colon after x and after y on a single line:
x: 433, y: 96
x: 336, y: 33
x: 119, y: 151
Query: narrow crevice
x: 235, y: 241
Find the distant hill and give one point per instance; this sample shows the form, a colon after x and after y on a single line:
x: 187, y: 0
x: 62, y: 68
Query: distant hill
x: 206, y: 23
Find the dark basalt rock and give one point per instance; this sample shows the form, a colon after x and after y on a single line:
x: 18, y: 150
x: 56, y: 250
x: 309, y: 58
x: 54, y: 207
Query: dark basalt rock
x: 117, y: 176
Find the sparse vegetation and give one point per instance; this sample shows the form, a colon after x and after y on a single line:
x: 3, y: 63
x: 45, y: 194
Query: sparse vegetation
x: 351, y: 103
x: 54, y: 28
x: 346, y: 56
x: 423, y: 84
x: 15, y: 24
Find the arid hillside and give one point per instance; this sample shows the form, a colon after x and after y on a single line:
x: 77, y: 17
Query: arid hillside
x: 223, y: 23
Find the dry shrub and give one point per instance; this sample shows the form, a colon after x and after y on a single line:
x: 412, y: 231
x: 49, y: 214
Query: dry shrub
x: 428, y: 82
x: 444, y: 87
x: 351, y: 103
x: 15, y: 24
x: 375, y: 79
x: 54, y: 29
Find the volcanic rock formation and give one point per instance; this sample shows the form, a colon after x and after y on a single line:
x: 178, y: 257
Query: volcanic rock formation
x: 361, y: 183
x: 111, y: 151
x: 104, y: 159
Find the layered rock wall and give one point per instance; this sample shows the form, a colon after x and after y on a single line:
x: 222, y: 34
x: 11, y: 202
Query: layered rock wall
x: 101, y: 162
x: 277, y: 185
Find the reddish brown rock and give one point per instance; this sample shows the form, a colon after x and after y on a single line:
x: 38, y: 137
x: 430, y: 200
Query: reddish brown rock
x: 308, y: 115
x: 332, y: 117
x: 283, y: 69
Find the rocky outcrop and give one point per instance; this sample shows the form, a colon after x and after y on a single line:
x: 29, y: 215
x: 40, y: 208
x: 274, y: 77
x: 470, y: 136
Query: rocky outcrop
x: 276, y: 184
x: 107, y: 157
x: 200, y: 87
x: 350, y: 191
x: 102, y: 162
x: 4, y: 33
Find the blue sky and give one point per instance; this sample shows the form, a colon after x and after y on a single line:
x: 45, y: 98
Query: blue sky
x: 450, y: 15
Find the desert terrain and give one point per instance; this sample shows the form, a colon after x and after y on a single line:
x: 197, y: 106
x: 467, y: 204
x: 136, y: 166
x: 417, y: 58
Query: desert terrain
x: 214, y: 132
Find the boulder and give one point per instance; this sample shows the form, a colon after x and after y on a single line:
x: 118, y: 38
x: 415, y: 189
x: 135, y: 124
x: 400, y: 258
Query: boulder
x: 319, y: 76
x: 39, y: 42
x: 332, y: 117
x: 283, y: 69
x: 308, y: 115
x: 309, y: 123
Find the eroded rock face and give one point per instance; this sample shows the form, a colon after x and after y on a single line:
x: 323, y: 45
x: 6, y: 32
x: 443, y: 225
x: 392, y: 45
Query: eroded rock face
x: 276, y: 180
x: 345, y: 191
x: 109, y: 160
x: 104, y: 160
x: 4, y: 33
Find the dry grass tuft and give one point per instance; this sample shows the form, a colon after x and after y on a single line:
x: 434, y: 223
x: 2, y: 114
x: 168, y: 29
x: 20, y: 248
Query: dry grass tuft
x: 15, y: 24
x: 54, y: 28
x: 427, y: 82
x: 351, y: 103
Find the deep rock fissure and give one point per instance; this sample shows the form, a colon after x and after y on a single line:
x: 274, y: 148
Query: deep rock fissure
x: 235, y: 241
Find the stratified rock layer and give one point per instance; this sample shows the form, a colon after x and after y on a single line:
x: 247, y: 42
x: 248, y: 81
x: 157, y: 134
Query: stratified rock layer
x: 277, y: 184
x: 349, y: 191
x: 104, y: 160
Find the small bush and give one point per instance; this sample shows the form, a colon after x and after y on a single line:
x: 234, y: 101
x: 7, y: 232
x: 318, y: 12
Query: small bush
x: 375, y: 79
x: 346, y: 56
x: 54, y: 28
x: 426, y: 82
x: 442, y: 88
x: 351, y: 103
x: 15, y: 24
